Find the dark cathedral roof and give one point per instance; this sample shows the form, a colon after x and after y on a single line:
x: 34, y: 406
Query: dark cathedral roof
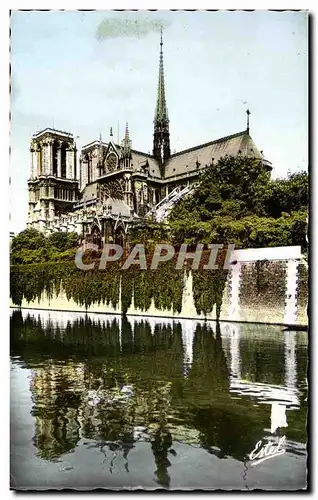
x: 189, y: 161
x: 203, y: 155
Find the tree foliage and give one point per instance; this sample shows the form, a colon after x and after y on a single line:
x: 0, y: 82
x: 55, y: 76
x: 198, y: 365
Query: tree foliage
x: 32, y: 246
x: 237, y: 202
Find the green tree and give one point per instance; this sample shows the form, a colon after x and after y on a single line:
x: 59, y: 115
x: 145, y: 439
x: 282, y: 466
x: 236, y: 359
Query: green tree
x: 287, y: 195
x: 29, y: 239
x: 63, y: 241
x: 32, y: 246
x: 237, y: 202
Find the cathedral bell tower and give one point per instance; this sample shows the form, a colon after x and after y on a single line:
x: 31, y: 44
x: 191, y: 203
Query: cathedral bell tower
x: 161, y: 136
x: 53, y: 184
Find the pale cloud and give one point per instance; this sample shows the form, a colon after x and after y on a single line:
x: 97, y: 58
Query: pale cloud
x: 128, y: 26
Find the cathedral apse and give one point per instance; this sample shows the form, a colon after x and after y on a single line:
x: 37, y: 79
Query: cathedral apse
x: 104, y: 188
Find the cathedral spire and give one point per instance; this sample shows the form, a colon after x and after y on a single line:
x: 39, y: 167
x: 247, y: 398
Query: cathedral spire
x: 126, y: 148
x: 126, y: 143
x: 161, y: 142
x: 127, y: 140
x: 161, y: 113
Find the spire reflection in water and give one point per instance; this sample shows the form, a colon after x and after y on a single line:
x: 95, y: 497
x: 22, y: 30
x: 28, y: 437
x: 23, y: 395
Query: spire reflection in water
x: 154, y: 395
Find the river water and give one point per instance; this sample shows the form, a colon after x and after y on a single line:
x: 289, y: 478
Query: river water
x: 101, y: 401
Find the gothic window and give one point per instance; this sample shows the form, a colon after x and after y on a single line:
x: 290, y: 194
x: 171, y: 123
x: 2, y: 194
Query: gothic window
x: 111, y: 162
x: 88, y: 161
x: 100, y: 161
x: 113, y: 189
x: 63, y: 160
x: 54, y: 154
x: 39, y: 159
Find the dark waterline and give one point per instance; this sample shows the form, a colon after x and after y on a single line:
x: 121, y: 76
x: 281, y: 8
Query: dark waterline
x: 102, y: 401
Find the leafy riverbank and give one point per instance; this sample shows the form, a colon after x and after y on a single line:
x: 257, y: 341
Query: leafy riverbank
x: 116, y: 287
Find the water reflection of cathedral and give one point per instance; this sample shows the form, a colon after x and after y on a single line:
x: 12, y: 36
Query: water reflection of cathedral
x: 101, y: 189
x: 185, y: 378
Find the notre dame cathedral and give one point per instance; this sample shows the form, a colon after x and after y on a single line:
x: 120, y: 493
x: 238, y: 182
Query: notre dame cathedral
x: 100, y: 191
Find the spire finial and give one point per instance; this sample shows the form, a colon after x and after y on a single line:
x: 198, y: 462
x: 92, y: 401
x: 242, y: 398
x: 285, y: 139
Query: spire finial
x: 161, y: 42
x: 127, y: 132
x: 111, y: 132
x: 126, y: 143
x: 248, y: 121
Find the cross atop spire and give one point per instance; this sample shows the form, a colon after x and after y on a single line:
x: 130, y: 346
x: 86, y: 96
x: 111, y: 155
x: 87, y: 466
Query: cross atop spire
x: 161, y: 144
x: 248, y: 121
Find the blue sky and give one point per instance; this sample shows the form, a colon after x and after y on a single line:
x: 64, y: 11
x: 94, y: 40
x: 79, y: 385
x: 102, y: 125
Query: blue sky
x: 86, y: 71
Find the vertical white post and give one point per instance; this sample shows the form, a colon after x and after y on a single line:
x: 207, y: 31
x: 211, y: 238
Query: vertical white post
x: 235, y: 351
x: 290, y: 316
x: 120, y: 330
x: 278, y: 416
x: 235, y: 280
x: 187, y: 341
x: 290, y: 360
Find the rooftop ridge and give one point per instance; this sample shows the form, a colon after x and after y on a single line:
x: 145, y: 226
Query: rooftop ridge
x: 210, y: 143
x: 97, y: 142
x: 50, y: 129
x: 144, y: 154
